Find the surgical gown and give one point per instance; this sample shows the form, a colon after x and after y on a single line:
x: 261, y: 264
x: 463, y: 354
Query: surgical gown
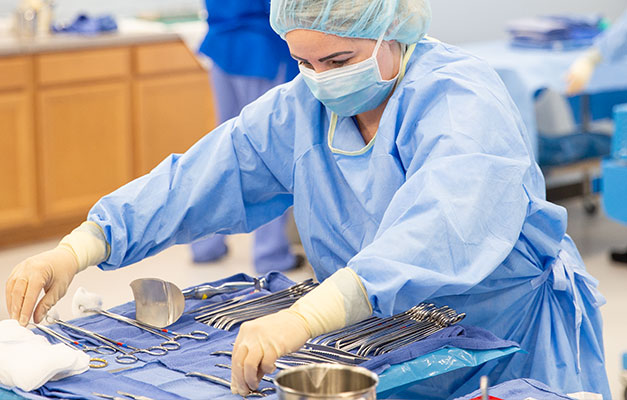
x: 446, y: 205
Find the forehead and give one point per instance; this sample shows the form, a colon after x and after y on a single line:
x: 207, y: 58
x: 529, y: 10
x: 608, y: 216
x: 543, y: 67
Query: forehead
x: 303, y: 41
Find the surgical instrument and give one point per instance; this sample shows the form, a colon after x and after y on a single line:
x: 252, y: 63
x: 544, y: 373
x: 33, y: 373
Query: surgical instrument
x: 232, y: 313
x: 483, y: 385
x: 226, y: 366
x: 126, y: 357
x: 376, y: 336
x: 134, y: 396
x: 214, y: 379
x: 205, y: 291
x: 94, y: 362
x: 171, y: 342
x: 106, y: 396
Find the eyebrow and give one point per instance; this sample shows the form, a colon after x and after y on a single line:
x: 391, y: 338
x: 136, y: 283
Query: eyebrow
x: 323, y: 59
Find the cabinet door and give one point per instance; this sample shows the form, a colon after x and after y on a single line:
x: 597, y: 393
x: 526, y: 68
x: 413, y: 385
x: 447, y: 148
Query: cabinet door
x: 84, y: 136
x: 18, y: 205
x: 171, y: 113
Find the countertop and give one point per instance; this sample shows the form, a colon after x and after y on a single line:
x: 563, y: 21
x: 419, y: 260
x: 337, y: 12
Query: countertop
x: 130, y: 32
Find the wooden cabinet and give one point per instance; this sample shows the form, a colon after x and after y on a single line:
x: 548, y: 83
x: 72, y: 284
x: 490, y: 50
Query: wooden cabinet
x: 17, y: 162
x: 85, y: 146
x: 171, y: 115
x: 173, y: 103
x: 76, y: 125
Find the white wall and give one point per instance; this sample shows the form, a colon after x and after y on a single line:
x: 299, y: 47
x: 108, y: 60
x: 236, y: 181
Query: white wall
x: 455, y: 21
x: 66, y: 10
x: 460, y: 21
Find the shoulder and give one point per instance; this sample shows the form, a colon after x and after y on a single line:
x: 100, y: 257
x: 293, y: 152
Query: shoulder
x: 442, y: 65
x: 451, y: 101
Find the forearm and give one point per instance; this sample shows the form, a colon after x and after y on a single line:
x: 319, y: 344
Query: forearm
x: 339, y: 301
x: 87, y: 244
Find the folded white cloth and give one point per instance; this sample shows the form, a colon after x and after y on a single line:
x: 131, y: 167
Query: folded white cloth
x: 28, y: 361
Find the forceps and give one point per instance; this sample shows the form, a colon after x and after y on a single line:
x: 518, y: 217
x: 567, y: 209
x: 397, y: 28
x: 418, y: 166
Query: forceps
x: 253, y: 393
x: 126, y: 357
x: 94, y: 362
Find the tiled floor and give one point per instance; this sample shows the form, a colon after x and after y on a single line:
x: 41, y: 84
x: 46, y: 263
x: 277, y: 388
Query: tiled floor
x: 593, y: 235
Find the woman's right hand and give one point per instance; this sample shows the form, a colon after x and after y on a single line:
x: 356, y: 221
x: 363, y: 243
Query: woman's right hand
x: 51, y: 271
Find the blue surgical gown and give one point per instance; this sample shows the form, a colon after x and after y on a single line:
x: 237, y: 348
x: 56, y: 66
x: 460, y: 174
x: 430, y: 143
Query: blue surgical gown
x: 613, y: 42
x: 447, y: 205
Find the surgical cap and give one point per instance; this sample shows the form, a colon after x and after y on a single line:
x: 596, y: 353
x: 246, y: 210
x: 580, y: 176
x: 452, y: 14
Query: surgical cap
x: 405, y: 21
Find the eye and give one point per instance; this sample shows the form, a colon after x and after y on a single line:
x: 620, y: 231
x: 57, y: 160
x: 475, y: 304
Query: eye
x: 305, y: 64
x: 339, y: 63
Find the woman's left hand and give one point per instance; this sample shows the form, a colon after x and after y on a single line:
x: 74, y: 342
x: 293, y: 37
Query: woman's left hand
x: 260, y: 343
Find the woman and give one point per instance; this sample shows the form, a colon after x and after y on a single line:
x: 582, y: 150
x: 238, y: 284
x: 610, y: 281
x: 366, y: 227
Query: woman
x: 411, y: 178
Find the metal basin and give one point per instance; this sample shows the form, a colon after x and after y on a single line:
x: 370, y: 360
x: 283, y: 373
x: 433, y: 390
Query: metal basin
x: 326, y: 381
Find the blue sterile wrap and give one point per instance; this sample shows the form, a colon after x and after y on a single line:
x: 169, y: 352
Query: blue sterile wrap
x: 163, y: 377
x: 520, y: 389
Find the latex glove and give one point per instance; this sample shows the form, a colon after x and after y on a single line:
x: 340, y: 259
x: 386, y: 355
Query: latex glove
x: 260, y: 343
x: 51, y: 271
x: 338, y: 301
x: 581, y: 72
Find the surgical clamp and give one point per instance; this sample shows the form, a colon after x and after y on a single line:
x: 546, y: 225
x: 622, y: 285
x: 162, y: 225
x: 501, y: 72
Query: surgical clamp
x: 226, y: 366
x: 232, y: 313
x: 94, y: 362
x: 126, y: 357
x: 214, y: 379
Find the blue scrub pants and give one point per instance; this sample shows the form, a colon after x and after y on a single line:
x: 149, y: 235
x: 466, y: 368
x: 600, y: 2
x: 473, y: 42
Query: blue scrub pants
x: 271, y: 250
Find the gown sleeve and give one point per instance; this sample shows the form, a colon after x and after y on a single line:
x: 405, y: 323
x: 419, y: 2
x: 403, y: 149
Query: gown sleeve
x: 613, y: 43
x: 463, y: 204
x: 235, y: 179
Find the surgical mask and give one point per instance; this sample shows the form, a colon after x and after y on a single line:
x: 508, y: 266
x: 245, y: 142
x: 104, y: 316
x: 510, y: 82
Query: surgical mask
x: 352, y: 89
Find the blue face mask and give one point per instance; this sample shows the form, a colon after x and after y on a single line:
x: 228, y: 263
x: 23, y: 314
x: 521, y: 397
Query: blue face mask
x: 352, y: 89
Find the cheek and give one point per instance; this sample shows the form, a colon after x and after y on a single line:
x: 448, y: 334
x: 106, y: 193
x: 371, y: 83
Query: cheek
x: 388, y: 65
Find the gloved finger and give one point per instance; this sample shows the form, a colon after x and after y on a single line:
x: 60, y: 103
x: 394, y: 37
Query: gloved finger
x: 46, y: 303
x: 34, y: 287
x: 237, y: 368
x: 267, y: 363
x: 18, y: 291
x: 252, y: 366
x: 8, y: 293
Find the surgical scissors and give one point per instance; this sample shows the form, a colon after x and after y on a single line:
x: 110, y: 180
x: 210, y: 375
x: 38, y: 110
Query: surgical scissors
x: 126, y: 357
x: 94, y: 362
x: 171, y: 342
x: 214, y: 379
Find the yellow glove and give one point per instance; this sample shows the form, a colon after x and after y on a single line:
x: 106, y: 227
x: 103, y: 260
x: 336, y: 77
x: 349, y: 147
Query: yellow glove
x: 52, y: 271
x: 581, y: 72
x: 339, y: 301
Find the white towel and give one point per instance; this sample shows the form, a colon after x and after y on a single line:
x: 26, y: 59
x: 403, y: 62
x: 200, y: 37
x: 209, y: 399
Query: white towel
x: 28, y: 360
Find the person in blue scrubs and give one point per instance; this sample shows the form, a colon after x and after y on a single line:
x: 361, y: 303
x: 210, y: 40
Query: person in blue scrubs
x: 249, y: 59
x: 611, y: 46
x: 412, y: 178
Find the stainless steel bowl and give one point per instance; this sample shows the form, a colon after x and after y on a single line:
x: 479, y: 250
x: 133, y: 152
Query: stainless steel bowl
x: 326, y: 381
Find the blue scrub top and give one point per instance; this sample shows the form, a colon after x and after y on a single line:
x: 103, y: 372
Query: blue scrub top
x: 241, y: 41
